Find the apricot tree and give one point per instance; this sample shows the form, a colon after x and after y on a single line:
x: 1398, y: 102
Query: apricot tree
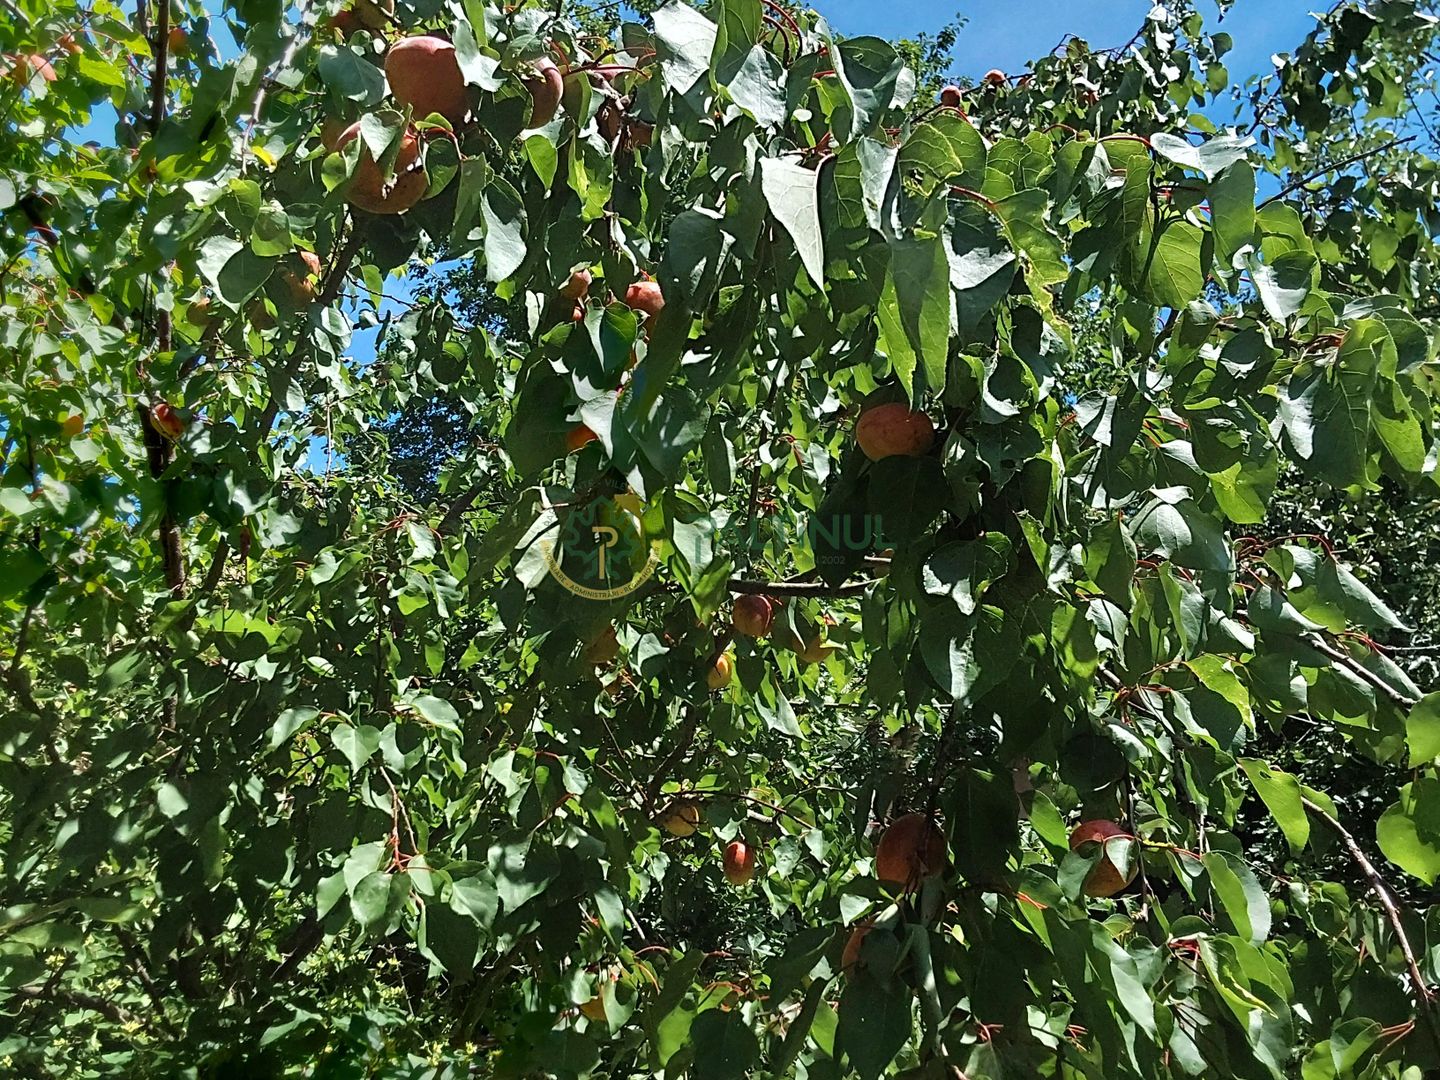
x: 862, y: 492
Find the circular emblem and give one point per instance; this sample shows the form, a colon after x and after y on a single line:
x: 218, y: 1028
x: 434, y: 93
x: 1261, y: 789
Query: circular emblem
x: 601, y: 553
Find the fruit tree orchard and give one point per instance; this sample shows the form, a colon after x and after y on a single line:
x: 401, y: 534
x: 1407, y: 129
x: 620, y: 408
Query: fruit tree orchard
x: 941, y: 709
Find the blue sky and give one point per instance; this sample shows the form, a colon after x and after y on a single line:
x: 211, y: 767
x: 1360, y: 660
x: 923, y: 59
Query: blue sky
x: 1007, y: 34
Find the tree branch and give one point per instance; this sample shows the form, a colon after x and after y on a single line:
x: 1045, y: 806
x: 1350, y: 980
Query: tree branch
x: 456, y: 510
x: 157, y: 79
x: 1423, y: 1002
x: 1335, y: 167
x: 662, y: 771
x: 109, y: 1009
x: 1346, y: 661
x: 286, y: 58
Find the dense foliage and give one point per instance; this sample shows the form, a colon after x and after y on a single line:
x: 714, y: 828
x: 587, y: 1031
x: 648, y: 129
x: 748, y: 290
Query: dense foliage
x: 937, y: 490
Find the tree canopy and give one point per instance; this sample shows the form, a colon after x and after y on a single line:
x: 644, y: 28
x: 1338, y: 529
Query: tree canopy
x: 827, y: 573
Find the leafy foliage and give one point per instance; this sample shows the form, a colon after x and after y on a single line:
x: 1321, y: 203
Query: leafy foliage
x: 306, y: 773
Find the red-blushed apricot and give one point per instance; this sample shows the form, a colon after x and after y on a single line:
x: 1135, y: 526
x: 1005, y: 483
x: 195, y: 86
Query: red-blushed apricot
x: 577, y: 287
x: 994, y: 77
x: 739, y: 863
x: 894, y: 430
x: 167, y: 420
x: 424, y: 73
x: 303, y: 287
x: 951, y: 97
x: 850, y: 958
x: 815, y: 651
x: 546, y: 88
x: 1104, y: 878
x: 720, y: 672
x: 24, y: 68
x: 912, y: 849
x: 579, y: 436
x: 369, y: 189
x: 753, y: 615
x: 647, y: 298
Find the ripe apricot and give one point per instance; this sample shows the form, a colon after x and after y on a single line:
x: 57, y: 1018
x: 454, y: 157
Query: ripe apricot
x: 753, y: 616
x: 892, y: 430
x: 546, y: 88
x: 1104, y: 878
x: 912, y: 849
x: 369, y: 189
x: 424, y: 73
x: 739, y: 863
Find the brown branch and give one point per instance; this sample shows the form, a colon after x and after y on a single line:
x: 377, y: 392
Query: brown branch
x: 305, y: 939
x: 286, y: 58
x: 1346, y: 661
x: 109, y: 1009
x: 1336, y: 167
x: 456, y: 510
x: 1423, y: 1000
x: 157, y: 80
x: 217, y: 567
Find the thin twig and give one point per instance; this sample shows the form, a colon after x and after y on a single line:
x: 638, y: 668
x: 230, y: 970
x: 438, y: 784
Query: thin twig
x: 1346, y: 661
x: 301, y: 36
x: 105, y: 1007
x: 1423, y: 1001
x: 331, y: 290
x: 1335, y: 167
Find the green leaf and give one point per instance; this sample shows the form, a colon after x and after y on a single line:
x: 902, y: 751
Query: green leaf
x: 946, y: 150
x: 1409, y: 831
x: 1178, y: 530
x: 476, y: 897
x: 874, y: 1024
x: 1213, y: 157
x: 358, y: 744
x: 1282, y: 283
x: 1243, y: 491
x: 351, y: 75
x: 792, y: 194
x: 1281, y: 794
x: 1232, y: 211
x: 914, y: 312
x: 869, y: 69
x: 725, y: 1045
x: 377, y: 896
x: 437, y: 711
x: 1422, y: 730
x: 1241, y: 897
x: 504, y: 217
x: 685, y: 41
x: 1024, y: 215
x: 288, y: 723
x: 1176, y: 272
